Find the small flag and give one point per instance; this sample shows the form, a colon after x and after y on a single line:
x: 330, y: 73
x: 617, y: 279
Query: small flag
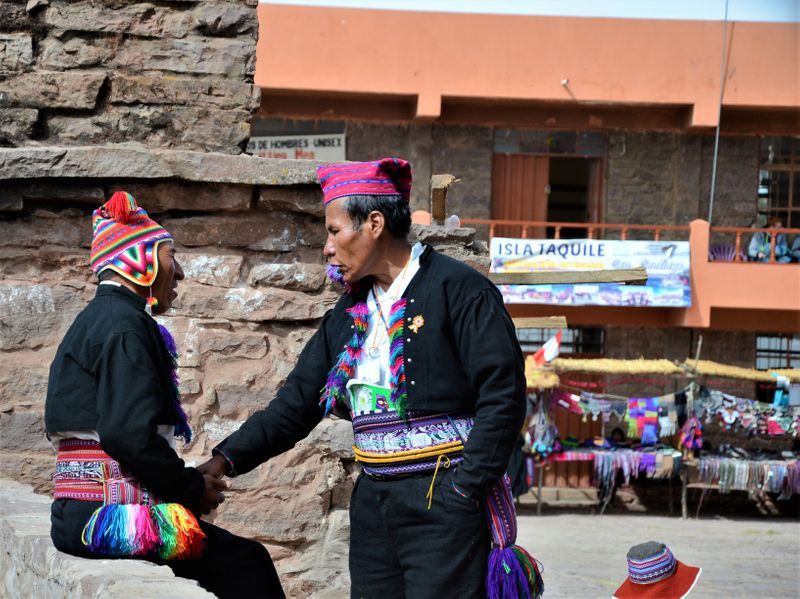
x: 548, y: 351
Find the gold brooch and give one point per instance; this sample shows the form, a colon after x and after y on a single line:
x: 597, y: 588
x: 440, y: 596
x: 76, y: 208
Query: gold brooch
x: 417, y: 323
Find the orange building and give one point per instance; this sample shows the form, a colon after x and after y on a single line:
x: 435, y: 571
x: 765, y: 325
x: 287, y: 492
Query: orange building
x: 608, y: 123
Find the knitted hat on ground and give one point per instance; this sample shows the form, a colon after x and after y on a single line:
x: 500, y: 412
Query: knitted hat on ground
x: 654, y: 573
x: 385, y: 177
x: 125, y: 239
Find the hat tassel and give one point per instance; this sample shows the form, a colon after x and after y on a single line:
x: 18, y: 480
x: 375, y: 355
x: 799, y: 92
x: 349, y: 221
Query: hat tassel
x: 121, y: 206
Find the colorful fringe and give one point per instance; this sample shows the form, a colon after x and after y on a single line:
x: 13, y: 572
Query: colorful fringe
x: 182, y: 429
x: 336, y: 386
x: 166, y: 530
x: 513, y: 572
x: 397, y: 373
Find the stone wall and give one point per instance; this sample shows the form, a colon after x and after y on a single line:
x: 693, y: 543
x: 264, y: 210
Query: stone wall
x: 249, y: 233
x: 175, y: 73
x: 664, y: 178
x: 32, y: 568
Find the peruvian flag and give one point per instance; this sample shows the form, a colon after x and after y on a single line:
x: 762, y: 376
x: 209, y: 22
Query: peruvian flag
x: 548, y: 351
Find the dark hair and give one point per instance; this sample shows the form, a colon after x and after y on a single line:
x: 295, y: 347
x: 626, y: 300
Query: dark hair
x: 105, y: 275
x: 394, y: 209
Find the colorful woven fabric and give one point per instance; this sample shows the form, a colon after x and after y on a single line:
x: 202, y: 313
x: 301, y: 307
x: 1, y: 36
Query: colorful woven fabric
x: 660, y: 564
x: 389, y: 445
x: 643, y: 419
x: 384, y: 177
x: 132, y: 522
x: 125, y: 239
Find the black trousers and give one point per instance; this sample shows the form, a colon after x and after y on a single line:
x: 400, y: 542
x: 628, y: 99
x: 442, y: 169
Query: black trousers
x: 231, y: 566
x: 401, y: 549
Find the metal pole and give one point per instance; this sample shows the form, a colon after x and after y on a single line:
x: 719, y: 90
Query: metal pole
x: 719, y: 114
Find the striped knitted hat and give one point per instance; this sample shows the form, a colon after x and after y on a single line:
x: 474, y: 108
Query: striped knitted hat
x: 384, y: 177
x: 125, y: 240
x: 654, y: 572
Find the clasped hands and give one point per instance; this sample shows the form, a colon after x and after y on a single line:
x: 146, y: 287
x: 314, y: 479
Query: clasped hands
x: 212, y: 471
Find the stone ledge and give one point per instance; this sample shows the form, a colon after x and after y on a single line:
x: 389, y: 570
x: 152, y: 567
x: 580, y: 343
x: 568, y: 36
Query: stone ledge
x: 32, y: 567
x: 135, y: 161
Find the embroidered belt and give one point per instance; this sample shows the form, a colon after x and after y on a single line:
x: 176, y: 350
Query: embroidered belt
x: 387, y: 445
x: 86, y: 472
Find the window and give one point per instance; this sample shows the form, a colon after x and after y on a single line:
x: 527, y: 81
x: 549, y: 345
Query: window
x: 779, y: 181
x: 777, y: 351
x: 582, y: 340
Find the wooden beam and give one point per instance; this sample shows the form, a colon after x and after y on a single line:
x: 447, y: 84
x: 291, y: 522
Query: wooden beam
x: 540, y: 322
x: 629, y: 276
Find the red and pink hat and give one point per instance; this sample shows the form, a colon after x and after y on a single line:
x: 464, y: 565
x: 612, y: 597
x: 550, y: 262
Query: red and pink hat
x: 384, y: 177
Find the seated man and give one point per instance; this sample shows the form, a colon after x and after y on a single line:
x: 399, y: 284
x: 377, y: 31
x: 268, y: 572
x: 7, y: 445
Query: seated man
x: 759, y: 248
x: 113, y: 412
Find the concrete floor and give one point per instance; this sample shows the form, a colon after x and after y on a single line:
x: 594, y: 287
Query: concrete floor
x: 584, y: 555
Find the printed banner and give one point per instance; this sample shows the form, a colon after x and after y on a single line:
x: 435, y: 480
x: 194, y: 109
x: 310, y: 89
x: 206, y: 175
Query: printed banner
x: 667, y: 264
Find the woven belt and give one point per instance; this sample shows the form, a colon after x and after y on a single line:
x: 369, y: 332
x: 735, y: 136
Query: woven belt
x: 84, y: 471
x: 389, y: 446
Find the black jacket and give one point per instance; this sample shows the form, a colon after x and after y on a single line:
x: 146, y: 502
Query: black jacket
x: 110, y: 375
x: 465, y: 358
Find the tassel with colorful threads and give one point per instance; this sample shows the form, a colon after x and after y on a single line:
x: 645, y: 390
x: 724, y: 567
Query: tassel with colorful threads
x: 512, y: 573
x: 397, y: 374
x: 166, y: 530
x: 336, y: 386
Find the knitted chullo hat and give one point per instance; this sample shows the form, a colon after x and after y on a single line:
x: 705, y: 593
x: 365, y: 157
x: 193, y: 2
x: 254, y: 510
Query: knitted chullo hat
x: 384, y: 177
x: 653, y: 572
x: 125, y: 240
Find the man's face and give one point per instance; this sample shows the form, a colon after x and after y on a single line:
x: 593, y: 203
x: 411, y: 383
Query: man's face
x: 169, y: 273
x: 350, y: 250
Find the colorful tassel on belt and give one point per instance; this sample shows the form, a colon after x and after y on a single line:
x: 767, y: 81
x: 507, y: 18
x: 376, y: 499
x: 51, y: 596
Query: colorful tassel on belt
x: 165, y: 530
x: 513, y: 572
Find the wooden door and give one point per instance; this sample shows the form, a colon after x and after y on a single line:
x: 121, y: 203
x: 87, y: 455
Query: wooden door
x: 519, y: 192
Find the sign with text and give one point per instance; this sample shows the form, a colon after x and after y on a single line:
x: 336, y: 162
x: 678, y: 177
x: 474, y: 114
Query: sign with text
x: 667, y: 264
x: 327, y: 147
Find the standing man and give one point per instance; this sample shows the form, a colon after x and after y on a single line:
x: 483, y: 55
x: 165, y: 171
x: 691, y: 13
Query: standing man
x: 113, y: 413
x: 422, y: 356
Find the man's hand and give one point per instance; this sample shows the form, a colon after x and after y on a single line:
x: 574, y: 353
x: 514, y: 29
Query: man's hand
x: 216, y: 466
x: 212, y: 493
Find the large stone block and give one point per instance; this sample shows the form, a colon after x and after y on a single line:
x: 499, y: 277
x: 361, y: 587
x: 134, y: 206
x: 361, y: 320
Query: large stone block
x: 161, y: 197
x: 191, y: 55
x: 23, y: 379
x: 32, y: 468
x: 53, y: 89
x: 219, y: 271
x: 23, y: 431
x: 303, y: 200
x: 225, y: 19
x: 253, y: 305
x: 220, y: 93
x: 295, y: 276
x: 264, y: 231
x: 16, y: 52
x: 207, y: 129
x: 135, y: 161
x: 42, y: 228
x: 285, y: 500
x: 34, y: 316
x: 75, y: 52
x: 137, y: 18
x: 17, y: 125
